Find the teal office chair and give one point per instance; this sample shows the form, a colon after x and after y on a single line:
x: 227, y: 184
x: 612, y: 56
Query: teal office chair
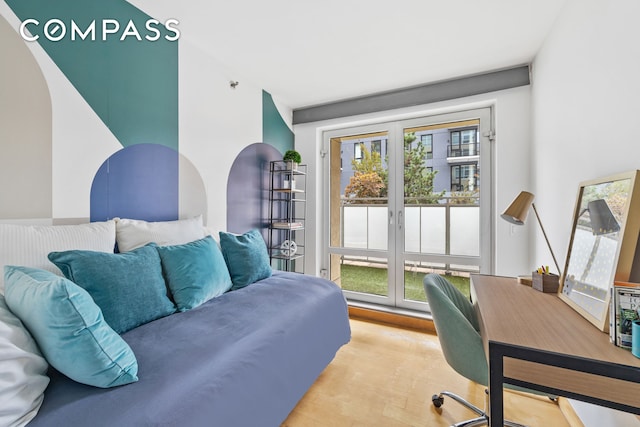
x: 459, y: 335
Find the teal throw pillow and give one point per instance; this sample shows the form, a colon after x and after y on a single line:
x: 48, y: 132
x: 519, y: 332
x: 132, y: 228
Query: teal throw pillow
x: 246, y: 257
x: 195, y: 272
x: 69, y: 328
x: 128, y: 287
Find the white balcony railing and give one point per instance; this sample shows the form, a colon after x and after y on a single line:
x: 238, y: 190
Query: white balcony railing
x: 443, y: 229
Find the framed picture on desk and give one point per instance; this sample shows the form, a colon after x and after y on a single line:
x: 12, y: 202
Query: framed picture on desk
x: 602, y: 248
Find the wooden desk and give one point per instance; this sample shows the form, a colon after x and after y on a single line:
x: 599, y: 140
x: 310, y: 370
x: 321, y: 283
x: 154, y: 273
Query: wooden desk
x: 535, y: 340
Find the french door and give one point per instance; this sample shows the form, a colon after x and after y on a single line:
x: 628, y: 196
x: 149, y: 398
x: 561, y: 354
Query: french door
x: 406, y: 198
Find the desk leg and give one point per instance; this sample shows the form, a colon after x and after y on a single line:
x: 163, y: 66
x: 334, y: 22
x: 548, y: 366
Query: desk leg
x: 496, y: 384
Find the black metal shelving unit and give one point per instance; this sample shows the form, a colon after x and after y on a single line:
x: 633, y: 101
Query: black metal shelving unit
x: 287, y: 210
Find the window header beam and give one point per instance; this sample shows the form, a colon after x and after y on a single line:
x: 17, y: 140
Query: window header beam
x: 417, y: 95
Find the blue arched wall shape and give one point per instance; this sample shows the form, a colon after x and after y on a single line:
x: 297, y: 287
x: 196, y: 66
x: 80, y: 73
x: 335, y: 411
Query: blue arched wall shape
x: 248, y: 188
x: 140, y: 181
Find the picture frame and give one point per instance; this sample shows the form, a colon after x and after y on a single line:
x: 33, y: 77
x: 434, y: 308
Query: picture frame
x: 602, y: 248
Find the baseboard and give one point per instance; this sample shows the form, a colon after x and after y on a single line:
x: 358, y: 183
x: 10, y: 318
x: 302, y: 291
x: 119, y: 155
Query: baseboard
x: 393, y: 319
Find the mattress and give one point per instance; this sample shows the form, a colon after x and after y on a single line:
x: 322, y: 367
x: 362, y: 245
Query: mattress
x: 242, y: 359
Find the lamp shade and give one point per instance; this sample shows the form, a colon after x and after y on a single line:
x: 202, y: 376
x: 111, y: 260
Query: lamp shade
x: 602, y: 219
x: 518, y: 210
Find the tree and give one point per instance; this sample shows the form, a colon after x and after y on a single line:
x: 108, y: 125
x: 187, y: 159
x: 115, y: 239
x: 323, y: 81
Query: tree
x: 366, y: 181
x: 364, y: 185
x: 370, y: 162
x: 418, y: 180
x: 464, y: 197
x: 371, y: 179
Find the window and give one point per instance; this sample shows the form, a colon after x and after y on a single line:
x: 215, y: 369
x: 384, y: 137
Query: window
x: 463, y: 143
x: 427, y: 141
x: 455, y: 140
x: 376, y: 147
x: 464, y: 177
x: 438, y: 231
x: 357, y: 150
x: 468, y: 136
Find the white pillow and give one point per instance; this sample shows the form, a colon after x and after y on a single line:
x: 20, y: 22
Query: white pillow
x: 29, y: 245
x: 134, y: 233
x: 22, y: 371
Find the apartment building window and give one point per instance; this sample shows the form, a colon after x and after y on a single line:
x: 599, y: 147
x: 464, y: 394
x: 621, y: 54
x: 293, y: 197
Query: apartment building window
x: 427, y: 141
x: 464, y: 177
x: 357, y: 151
x: 463, y: 143
x: 376, y: 146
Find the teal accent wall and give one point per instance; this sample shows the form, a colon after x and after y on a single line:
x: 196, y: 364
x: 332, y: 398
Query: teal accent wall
x: 274, y: 129
x: 131, y: 85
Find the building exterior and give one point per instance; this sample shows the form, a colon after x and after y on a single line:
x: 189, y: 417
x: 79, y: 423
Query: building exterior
x: 452, y: 152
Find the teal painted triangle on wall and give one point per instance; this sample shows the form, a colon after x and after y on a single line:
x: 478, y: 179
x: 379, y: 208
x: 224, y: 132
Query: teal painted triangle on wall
x: 131, y: 85
x: 274, y: 129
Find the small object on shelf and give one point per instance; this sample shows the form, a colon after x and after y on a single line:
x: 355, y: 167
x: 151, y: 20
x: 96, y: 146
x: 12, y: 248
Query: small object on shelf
x: 288, y: 248
x: 292, y: 158
x: 547, y: 283
x: 288, y: 182
x: 288, y: 190
x: 287, y: 225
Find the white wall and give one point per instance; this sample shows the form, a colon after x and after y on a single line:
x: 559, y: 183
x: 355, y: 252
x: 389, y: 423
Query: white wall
x: 584, y: 106
x: 511, y: 160
x: 585, y: 96
x: 215, y: 123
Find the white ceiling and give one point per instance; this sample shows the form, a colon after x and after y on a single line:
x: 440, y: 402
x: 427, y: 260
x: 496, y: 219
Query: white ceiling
x: 312, y: 52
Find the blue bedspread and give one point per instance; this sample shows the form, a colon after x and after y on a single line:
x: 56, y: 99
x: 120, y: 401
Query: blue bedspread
x: 242, y: 359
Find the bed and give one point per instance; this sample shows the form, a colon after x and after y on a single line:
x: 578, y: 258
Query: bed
x: 243, y: 358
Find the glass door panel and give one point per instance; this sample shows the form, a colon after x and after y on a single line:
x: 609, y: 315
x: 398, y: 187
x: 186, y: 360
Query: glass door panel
x: 441, y: 202
x: 359, y: 214
x: 405, y: 199
x: 365, y: 276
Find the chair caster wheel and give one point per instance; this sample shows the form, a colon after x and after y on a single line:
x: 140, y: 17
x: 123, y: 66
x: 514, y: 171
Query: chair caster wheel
x: 437, y: 400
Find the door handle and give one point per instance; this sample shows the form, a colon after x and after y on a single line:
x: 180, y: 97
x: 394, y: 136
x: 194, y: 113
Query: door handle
x: 390, y: 217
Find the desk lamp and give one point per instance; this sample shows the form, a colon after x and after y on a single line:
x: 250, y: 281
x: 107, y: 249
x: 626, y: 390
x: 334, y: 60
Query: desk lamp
x: 517, y: 213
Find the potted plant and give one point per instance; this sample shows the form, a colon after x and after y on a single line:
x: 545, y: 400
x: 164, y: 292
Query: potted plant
x: 293, y: 158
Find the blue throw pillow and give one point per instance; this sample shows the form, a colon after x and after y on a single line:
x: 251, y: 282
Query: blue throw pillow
x: 69, y: 328
x: 195, y: 272
x: 128, y: 287
x: 246, y: 257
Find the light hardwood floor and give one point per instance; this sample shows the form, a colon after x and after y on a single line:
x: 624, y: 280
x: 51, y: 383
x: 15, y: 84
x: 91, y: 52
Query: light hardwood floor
x: 386, y: 376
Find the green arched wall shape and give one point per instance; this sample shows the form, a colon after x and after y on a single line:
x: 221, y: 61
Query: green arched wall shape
x: 274, y: 129
x: 131, y: 85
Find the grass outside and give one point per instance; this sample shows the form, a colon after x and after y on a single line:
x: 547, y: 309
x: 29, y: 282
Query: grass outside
x: 373, y: 280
